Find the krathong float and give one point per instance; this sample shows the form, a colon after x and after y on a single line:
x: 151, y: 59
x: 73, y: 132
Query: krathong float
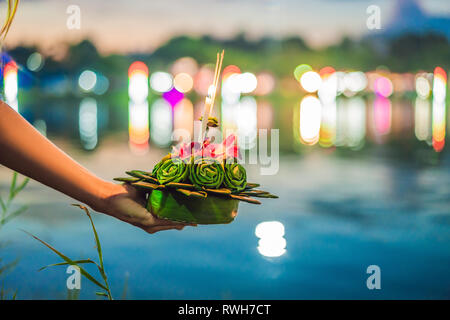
x: 198, y: 182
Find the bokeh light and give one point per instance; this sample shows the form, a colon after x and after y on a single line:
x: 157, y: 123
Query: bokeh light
x: 161, y: 81
x: 229, y: 70
x: 138, y: 127
x: 422, y: 119
x: 230, y: 89
x: 300, y: 70
x: 247, y: 82
x: 327, y: 136
x: 265, y: 84
x: 438, y: 114
x: 311, y: 81
x: 173, y: 96
x: 382, y: 115
x: 354, y: 82
x: 310, y: 120
x: 35, y: 62
x: 185, y: 65
x: 247, y: 123
x: 183, y: 117
x: 203, y: 80
x: 10, y: 84
x: 438, y: 118
x: 87, y: 80
x: 102, y: 85
x: 439, y: 84
x: 137, y: 67
x: 423, y: 87
x: 351, y: 122
x: 183, y: 82
x: 138, y: 82
x: 328, y: 89
x: 161, y: 123
x: 383, y: 86
x: 87, y: 123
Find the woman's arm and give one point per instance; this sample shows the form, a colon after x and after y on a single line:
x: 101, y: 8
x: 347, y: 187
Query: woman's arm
x: 25, y: 150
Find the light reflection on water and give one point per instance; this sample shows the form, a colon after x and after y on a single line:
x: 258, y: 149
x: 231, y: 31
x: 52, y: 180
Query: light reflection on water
x: 88, y: 123
x: 339, y: 215
x: 356, y: 122
x: 271, y: 238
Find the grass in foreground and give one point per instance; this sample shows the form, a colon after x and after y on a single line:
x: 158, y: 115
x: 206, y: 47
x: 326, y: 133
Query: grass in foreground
x: 106, y: 292
x: 6, y: 214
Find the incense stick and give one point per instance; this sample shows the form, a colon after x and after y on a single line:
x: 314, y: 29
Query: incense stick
x: 12, y: 9
x: 209, y: 101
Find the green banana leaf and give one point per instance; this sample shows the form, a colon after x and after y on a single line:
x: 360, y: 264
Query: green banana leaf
x: 178, y: 206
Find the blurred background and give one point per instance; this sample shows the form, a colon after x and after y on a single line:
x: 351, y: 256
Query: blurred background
x: 362, y: 117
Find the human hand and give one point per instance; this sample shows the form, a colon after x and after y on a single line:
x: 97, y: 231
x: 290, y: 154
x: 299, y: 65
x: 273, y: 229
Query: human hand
x: 126, y: 203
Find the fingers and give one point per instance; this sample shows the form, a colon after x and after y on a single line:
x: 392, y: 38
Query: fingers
x: 164, y: 222
x: 152, y: 230
x: 161, y: 224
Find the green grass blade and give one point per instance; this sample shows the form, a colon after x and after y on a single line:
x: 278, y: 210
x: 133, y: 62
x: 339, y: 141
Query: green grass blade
x: 21, y: 186
x: 13, y: 215
x: 97, y: 241
x: 69, y: 261
x: 101, y: 268
x: 102, y: 294
x: 3, y: 205
x: 12, y: 186
x: 8, y: 267
x: 66, y: 263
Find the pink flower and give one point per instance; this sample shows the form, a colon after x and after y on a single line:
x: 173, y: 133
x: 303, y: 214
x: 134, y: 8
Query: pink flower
x: 220, y: 151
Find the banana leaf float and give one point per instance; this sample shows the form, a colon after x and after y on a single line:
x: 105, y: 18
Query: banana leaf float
x: 194, y: 184
x: 198, y: 182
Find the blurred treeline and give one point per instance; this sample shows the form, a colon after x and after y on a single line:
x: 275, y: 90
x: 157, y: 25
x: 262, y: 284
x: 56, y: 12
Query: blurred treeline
x: 407, y: 53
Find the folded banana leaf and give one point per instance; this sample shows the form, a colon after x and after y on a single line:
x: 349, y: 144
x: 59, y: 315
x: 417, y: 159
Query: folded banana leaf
x: 204, y: 191
x: 183, y: 207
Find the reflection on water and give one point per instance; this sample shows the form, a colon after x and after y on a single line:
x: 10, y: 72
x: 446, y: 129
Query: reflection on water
x: 183, y: 116
x: 310, y: 118
x: 351, y: 129
x: 422, y: 119
x: 438, y: 125
x: 439, y: 93
x: 247, y: 123
x: 339, y: 216
x: 161, y: 123
x: 342, y: 109
x: 271, y: 238
x: 138, y: 126
x: 382, y: 116
x: 88, y: 123
x: 138, y: 107
x: 340, y: 213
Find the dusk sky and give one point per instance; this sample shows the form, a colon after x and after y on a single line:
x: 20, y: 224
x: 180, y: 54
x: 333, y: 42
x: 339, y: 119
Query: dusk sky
x: 141, y: 25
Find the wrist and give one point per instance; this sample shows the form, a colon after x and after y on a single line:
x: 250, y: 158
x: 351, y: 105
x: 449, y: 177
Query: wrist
x: 103, y: 192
